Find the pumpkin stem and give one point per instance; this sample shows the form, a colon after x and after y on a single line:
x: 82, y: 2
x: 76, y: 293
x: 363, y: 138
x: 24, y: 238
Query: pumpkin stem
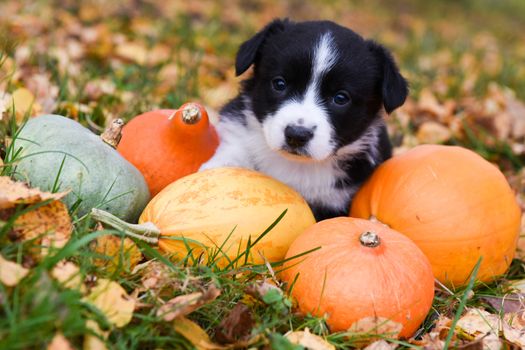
x: 113, y: 133
x: 146, y: 232
x: 369, y: 239
x: 191, y: 114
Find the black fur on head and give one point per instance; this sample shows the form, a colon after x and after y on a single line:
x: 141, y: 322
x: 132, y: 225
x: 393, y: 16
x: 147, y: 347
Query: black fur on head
x: 295, y: 37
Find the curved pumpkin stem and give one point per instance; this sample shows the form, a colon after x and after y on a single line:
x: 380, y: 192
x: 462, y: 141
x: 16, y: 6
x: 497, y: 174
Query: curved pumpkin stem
x: 146, y: 232
x: 113, y: 133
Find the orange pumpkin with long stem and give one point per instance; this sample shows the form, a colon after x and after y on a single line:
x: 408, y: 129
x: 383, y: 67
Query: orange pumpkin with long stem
x: 168, y: 144
x: 363, y: 274
x: 456, y: 206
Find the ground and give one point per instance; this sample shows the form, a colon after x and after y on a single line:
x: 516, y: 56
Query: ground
x: 94, y: 61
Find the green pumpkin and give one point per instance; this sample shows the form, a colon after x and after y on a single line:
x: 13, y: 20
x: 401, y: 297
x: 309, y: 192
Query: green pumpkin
x: 94, y: 172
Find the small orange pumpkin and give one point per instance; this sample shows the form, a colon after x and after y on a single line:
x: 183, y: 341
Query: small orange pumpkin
x: 362, y: 271
x: 456, y: 206
x: 168, y: 144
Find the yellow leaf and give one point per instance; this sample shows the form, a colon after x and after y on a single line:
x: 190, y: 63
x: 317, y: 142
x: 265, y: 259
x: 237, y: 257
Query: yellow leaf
x: 113, y: 301
x: 24, y: 104
x: 11, y: 273
x: 13, y: 193
x: 195, y: 334
x: 50, y: 225
x: 92, y: 342
x: 308, y: 340
x: 68, y: 274
x: 118, y: 251
x: 59, y: 342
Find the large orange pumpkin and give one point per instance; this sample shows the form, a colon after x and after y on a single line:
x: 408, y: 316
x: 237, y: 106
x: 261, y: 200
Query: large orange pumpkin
x: 168, y: 144
x: 453, y: 204
x: 363, y: 270
x: 221, y: 207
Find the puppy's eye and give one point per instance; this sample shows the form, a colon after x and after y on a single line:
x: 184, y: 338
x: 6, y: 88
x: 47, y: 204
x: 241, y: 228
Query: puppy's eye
x: 279, y: 84
x: 341, y: 98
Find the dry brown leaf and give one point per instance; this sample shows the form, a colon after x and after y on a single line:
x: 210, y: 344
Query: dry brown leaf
x: 118, y: 252
x: 113, y: 301
x: 509, y: 303
x: 237, y: 325
x: 381, y: 345
x: 433, y: 132
x: 186, y: 304
x: 11, y: 273
x: 376, y: 325
x: 514, y: 328
x: 13, y: 193
x: 195, y: 334
x: 138, y: 53
x: 491, y: 341
x: 260, y: 288
x: 59, y: 342
x: 518, y: 286
x: 46, y: 93
x: 49, y: 224
x: 308, y: 340
x: 428, y: 103
x: 69, y: 275
x: 156, y: 276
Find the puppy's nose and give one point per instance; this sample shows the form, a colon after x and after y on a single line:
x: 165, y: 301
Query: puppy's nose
x: 297, y: 136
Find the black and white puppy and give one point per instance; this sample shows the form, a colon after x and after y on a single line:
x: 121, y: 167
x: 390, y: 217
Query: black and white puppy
x: 310, y: 116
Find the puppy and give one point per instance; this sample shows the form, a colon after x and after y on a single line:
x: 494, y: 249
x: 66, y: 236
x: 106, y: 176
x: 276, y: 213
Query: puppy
x: 310, y: 115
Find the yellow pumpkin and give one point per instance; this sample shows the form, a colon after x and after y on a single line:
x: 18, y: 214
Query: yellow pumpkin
x: 226, y: 208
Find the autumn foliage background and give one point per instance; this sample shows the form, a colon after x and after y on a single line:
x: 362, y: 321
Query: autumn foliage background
x: 94, y: 61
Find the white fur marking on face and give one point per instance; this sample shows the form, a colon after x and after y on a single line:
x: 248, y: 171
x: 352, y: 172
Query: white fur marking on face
x: 308, y: 112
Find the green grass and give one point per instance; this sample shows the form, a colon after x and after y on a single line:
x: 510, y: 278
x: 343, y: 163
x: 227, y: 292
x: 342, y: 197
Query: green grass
x: 32, y: 312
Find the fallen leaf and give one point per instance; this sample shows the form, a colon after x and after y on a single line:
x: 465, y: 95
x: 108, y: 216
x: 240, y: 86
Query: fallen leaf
x: 50, y: 225
x: 514, y: 328
x: 46, y: 93
x: 509, y: 303
x: 433, y: 132
x: 195, y: 334
x: 183, y: 305
x: 24, y: 104
x: 381, y: 345
x: 518, y: 286
x: 237, y: 325
x: 260, y: 288
x: 113, y: 301
x: 138, y: 53
x: 492, y: 341
x: 13, y: 193
x: 11, y: 273
x: 478, y: 322
x: 119, y: 253
x: 92, y: 341
x: 68, y: 274
x: 376, y: 325
x: 59, y: 342
x: 308, y: 340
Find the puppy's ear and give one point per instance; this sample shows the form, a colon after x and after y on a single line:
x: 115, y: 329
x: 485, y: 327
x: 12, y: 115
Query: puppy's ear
x: 394, y: 86
x: 249, y: 49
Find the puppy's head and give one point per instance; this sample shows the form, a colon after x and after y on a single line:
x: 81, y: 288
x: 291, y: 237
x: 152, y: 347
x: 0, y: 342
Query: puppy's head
x: 317, y: 86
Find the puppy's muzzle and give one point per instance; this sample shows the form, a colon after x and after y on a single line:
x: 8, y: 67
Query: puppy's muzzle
x: 297, y: 136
